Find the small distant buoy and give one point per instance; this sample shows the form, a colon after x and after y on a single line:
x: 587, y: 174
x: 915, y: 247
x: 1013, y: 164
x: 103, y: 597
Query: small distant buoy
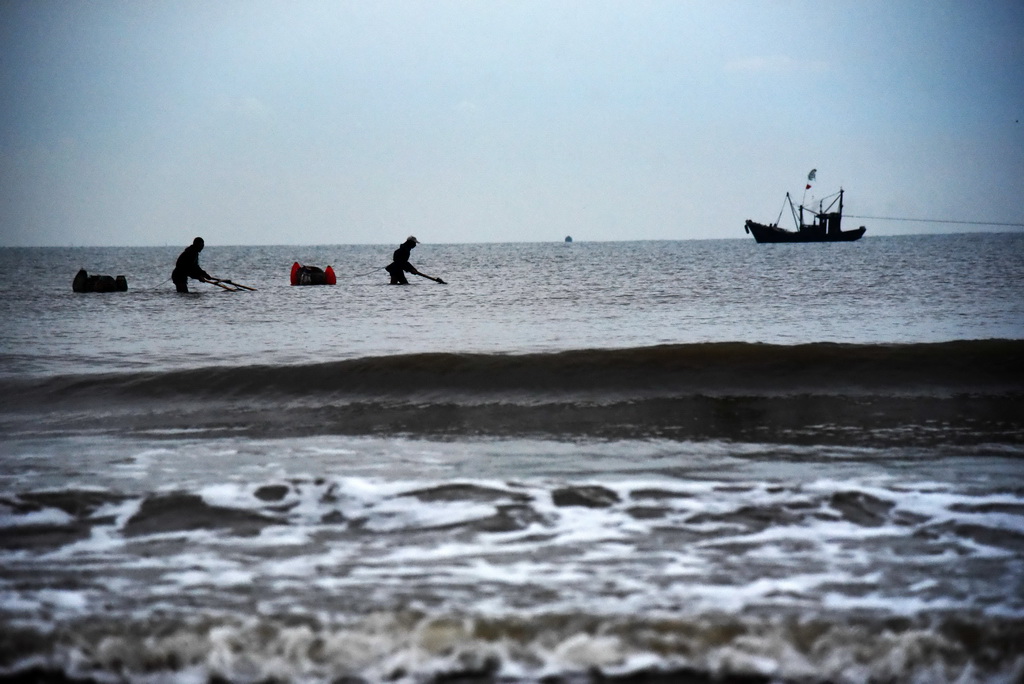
x: 568, y: 238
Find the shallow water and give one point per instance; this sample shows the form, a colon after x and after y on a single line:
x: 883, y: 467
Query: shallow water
x: 507, y: 298
x: 795, y: 463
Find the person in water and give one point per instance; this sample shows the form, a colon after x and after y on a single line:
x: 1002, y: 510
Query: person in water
x: 187, y: 266
x: 400, y: 264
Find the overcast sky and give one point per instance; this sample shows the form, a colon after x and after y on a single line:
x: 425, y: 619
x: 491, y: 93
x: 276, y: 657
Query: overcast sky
x: 291, y: 122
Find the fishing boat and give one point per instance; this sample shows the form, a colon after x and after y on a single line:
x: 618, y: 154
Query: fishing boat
x: 826, y: 226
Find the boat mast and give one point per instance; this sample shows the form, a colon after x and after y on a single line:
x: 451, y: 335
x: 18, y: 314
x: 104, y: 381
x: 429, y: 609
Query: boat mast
x: 792, y: 210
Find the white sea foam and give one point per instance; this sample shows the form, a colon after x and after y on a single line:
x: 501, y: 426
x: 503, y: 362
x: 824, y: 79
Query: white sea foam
x: 47, y: 516
x: 558, y: 577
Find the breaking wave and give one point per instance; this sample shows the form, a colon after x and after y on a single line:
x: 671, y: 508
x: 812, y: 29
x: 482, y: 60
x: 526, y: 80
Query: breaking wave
x: 345, y: 579
x: 968, y: 391
x: 710, y: 368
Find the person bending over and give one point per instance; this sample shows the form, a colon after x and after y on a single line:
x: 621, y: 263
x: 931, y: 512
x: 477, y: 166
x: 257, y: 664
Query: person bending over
x: 187, y: 266
x: 400, y: 264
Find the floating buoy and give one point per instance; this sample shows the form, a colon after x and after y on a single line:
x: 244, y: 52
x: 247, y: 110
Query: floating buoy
x: 84, y: 282
x: 312, y: 275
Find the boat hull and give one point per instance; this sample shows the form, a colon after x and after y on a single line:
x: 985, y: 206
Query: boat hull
x: 769, y: 234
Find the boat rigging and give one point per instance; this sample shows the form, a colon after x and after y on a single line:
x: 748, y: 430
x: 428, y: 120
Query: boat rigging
x: 826, y: 225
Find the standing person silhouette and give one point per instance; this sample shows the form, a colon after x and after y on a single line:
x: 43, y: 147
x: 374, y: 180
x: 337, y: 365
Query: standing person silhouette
x: 400, y: 264
x: 187, y: 266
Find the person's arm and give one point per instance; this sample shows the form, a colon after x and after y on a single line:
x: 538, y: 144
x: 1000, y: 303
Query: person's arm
x: 196, y: 271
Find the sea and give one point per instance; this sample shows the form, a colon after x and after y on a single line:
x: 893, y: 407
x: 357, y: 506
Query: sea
x: 570, y: 463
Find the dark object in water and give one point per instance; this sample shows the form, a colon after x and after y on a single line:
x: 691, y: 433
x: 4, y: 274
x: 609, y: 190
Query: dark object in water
x: 312, y: 275
x: 84, y: 282
x: 568, y: 238
x: 825, y: 228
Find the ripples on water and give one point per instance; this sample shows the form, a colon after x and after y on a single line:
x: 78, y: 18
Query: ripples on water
x: 510, y: 298
x: 654, y: 524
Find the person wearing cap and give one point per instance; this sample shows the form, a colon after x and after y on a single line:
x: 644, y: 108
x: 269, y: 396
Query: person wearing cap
x: 400, y: 264
x: 187, y: 266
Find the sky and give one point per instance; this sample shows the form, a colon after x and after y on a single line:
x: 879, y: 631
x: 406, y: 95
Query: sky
x: 149, y: 122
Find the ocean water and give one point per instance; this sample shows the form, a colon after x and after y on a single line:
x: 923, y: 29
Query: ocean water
x: 694, y: 461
